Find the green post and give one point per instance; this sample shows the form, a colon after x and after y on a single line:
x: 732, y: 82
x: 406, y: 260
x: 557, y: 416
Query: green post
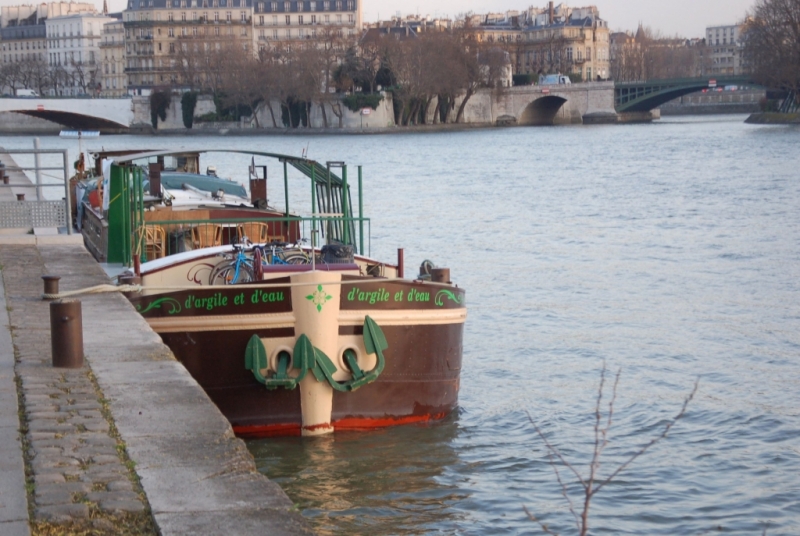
x: 127, y: 197
x: 360, y: 214
x: 116, y: 216
x: 313, y: 203
x: 135, y: 212
x: 286, y: 193
x: 138, y: 229
x: 345, y: 212
x: 141, y: 208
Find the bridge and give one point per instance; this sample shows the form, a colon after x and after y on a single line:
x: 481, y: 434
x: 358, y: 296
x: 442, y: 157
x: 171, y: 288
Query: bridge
x: 106, y: 115
x: 590, y: 102
x: 630, y: 97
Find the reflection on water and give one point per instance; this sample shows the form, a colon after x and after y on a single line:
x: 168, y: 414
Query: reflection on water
x: 352, y: 482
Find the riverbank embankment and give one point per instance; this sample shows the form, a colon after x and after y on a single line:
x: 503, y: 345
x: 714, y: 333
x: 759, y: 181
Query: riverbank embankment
x: 771, y: 118
x: 127, y: 444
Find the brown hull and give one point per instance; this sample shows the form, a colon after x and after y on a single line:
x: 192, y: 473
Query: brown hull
x: 420, y: 381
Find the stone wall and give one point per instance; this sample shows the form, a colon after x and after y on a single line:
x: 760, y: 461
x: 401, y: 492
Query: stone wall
x: 382, y: 117
x: 174, y: 120
x: 524, y: 105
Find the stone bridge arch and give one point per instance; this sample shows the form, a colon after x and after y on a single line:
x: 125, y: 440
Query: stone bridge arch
x: 542, y: 111
x: 105, y: 115
x: 75, y: 121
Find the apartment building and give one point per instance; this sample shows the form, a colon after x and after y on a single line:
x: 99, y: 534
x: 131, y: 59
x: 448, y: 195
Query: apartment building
x: 113, y: 80
x: 159, y: 34
x: 73, y: 52
x: 286, y: 21
x: 554, y: 38
x: 23, y: 33
x: 725, y: 46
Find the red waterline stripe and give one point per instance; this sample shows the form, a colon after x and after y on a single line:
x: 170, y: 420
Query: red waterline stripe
x: 350, y: 424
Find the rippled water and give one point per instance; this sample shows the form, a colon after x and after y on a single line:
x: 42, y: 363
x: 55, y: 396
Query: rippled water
x: 670, y: 251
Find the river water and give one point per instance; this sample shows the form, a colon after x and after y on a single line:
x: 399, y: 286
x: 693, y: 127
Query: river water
x: 669, y: 251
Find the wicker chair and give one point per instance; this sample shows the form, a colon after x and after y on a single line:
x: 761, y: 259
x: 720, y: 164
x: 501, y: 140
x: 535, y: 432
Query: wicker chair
x: 206, y: 235
x: 155, y: 242
x: 256, y: 231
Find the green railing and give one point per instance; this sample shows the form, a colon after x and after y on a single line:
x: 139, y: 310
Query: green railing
x: 332, y: 219
x: 160, y: 238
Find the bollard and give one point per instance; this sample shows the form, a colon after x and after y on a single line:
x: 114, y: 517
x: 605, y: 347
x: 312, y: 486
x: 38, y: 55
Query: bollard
x: 66, y: 333
x: 130, y: 280
x: 440, y: 275
x: 50, y: 285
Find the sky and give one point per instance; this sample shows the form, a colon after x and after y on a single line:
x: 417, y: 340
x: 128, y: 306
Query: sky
x: 687, y: 18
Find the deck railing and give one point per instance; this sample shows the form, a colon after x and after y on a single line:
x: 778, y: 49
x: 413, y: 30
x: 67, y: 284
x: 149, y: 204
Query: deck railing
x: 159, y: 238
x: 135, y: 231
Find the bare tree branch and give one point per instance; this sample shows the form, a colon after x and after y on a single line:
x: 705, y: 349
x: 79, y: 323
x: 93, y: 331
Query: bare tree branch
x: 601, y: 439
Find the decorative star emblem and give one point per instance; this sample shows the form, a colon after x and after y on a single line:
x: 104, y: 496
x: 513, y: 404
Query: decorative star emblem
x: 319, y: 298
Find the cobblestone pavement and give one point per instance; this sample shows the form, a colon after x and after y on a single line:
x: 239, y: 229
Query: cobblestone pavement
x: 76, y: 467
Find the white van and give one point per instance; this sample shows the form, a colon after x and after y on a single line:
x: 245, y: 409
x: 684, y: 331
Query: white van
x: 26, y: 93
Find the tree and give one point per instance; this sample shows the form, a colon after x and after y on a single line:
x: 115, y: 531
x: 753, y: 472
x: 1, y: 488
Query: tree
x: 593, y: 482
x: 650, y: 55
x: 772, y: 44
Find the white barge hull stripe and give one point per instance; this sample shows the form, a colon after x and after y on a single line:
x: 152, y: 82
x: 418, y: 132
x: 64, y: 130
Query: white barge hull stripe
x: 287, y: 320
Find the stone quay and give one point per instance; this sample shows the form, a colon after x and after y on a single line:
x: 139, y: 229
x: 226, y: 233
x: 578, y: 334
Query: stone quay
x: 127, y: 444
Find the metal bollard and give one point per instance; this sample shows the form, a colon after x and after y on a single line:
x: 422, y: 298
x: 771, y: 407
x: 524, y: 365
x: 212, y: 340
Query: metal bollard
x: 50, y: 284
x: 440, y: 275
x: 129, y: 280
x: 66, y: 333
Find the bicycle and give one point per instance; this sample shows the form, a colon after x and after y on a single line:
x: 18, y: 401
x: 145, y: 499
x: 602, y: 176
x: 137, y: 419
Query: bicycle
x: 278, y: 253
x: 238, y: 269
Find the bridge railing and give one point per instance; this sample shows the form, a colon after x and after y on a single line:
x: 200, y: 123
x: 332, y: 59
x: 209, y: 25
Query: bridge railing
x: 39, y: 212
x: 720, y: 80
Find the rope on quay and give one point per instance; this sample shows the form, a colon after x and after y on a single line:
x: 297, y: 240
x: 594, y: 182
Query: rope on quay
x: 101, y: 289
x: 97, y: 289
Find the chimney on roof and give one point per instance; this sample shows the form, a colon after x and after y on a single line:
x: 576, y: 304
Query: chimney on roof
x: 105, y: 7
x: 551, y: 13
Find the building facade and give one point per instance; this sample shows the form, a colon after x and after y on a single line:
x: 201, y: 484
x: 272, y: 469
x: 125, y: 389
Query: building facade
x: 163, y: 37
x: 552, y: 39
x: 113, y: 80
x: 287, y: 21
x: 24, y: 44
x: 73, y: 53
x: 725, y: 46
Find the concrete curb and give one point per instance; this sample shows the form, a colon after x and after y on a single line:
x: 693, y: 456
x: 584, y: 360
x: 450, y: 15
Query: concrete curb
x: 41, y: 240
x: 13, y: 497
